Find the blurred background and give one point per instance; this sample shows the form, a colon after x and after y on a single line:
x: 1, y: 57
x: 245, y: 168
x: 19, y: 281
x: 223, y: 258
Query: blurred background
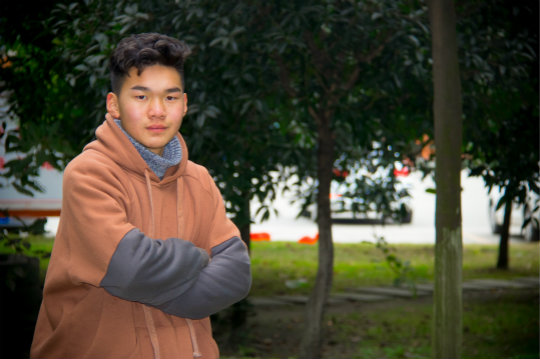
x: 313, y: 117
x: 261, y: 80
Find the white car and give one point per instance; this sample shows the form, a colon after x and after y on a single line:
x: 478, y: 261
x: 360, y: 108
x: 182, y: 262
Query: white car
x: 520, y: 214
x: 348, y: 201
x: 18, y: 210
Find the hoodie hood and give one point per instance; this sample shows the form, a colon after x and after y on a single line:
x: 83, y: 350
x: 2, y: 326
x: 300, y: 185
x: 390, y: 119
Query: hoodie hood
x: 113, y: 142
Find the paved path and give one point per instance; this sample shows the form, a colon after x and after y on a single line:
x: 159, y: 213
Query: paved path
x: 376, y: 294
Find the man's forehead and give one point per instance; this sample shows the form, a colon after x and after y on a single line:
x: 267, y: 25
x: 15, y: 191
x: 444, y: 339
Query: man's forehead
x: 147, y: 78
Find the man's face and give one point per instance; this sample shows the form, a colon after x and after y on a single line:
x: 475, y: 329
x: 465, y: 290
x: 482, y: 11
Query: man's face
x: 150, y: 106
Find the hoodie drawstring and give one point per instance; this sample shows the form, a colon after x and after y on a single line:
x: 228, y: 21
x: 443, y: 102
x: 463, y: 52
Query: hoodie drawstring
x: 147, y: 313
x: 151, y: 331
x: 154, y: 340
x: 194, y: 342
x: 149, y: 189
x: 179, y: 211
x: 179, y: 216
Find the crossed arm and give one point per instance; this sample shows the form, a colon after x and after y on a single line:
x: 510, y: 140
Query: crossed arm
x: 176, y: 276
x: 173, y: 275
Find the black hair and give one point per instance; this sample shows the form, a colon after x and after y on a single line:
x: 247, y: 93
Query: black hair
x: 143, y: 50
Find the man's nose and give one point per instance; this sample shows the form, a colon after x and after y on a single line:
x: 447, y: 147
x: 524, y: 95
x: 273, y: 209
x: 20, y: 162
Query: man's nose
x: 157, y: 108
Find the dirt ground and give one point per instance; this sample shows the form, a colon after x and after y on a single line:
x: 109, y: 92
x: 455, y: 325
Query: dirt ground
x: 276, y: 331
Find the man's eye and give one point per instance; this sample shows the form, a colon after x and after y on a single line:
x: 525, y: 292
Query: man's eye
x: 171, y: 98
x: 140, y: 97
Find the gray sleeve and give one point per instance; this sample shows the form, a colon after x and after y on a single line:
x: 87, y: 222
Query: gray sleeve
x: 153, y: 271
x: 226, y: 280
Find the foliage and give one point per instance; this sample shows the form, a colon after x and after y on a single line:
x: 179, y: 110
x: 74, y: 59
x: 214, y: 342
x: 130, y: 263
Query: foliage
x: 230, y: 82
x: 225, y: 78
x: 34, y: 140
x: 330, y: 58
x: 229, y: 129
x: 48, y: 72
x: 350, y: 62
x: 501, y: 102
x: 18, y: 239
x: 403, y: 271
x: 501, y: 84
x: 241, y: 48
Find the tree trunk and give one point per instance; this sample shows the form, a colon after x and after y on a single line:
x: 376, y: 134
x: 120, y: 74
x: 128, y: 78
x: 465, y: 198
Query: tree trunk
x: 502, y: 259
x: 311, y: 344
x: 244, y: 222
x: 447, y: 333
x: 240, y: 310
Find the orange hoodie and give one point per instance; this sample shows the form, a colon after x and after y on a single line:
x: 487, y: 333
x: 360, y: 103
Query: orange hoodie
x: 130, y: 274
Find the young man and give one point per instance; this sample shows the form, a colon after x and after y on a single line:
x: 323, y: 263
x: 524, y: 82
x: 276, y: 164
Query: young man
x: 144, y: 251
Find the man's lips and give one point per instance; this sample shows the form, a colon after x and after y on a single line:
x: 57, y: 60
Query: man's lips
x: 156, y: 128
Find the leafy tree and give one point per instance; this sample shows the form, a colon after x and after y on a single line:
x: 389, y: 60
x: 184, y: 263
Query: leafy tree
x: 29, y: 79
x: 229, y: 129
x: 42, y: 67
x: 333, y: 60
x: 501, y: 102
x: 226, y: 78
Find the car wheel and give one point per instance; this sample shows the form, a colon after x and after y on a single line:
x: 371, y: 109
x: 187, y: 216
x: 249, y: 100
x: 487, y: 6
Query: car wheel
x: 531, y: 230
x: 495, y: 227
x: 531, y: 233
x: 408, y: 217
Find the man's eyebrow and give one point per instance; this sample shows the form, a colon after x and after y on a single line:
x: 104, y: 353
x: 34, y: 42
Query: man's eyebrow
x: 140, y: 88
x: 146, y: 89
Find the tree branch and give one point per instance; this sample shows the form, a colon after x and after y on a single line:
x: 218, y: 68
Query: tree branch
x: 284, y: 76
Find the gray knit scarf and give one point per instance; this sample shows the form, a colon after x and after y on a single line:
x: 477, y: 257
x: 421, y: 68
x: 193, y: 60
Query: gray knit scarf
x: 172, y: 154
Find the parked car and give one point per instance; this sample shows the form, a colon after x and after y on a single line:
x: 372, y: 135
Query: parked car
x: 18, y: 210
x: 524, y: 220
x: 359, y: 196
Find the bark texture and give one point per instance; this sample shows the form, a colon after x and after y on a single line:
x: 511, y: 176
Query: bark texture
x: 447, y: 328
x: 315, y: 309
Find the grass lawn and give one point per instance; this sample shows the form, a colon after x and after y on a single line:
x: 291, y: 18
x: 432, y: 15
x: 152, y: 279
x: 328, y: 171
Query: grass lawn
x: 496, y: 324
x: 40, y: 246
x: 290, y: 268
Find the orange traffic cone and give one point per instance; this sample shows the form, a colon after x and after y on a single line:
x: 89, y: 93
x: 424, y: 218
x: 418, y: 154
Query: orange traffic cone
x: 309, y: 240
x: 259, y: 237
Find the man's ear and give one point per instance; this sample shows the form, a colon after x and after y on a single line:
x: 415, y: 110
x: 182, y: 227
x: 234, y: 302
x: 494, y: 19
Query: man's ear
x: 112, y: 105
x: 185, y: 103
